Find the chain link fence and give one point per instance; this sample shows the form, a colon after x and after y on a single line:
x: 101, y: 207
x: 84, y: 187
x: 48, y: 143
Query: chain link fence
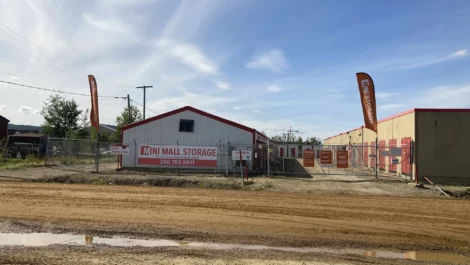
x: 84, y: 153
x: 261, y: 159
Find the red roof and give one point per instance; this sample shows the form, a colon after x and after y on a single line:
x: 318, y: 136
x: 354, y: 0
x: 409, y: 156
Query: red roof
x: 200, y: 112
x: 404, y: 113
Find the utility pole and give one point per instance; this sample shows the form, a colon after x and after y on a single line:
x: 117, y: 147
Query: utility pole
x: 129, y: 108
x: 144, y: 88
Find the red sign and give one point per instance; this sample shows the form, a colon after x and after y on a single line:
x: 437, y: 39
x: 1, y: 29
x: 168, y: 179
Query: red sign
x: 171, y: 155
x: 309, y: 158
x: 342, y: 158
x: 326, y: 156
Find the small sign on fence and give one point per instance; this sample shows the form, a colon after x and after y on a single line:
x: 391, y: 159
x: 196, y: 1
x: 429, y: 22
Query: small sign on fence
x: 309, y: 158
x: 119, y: 149
x: 342, y: 159
x: 326, y: 157
x: 246, y: 155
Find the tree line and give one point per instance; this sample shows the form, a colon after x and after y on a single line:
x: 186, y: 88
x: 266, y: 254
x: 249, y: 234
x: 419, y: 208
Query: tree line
x: 293, y: 139
x: 64, y: 119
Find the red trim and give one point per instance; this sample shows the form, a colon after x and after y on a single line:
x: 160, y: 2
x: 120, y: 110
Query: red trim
x: 396, y: 115
x: 442, y: 110
x: 200, y: 112
x: 405, y: 113
x: 344, y: 133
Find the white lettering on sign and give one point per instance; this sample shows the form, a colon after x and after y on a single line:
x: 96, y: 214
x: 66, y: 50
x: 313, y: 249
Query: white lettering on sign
x: 246, y: 155
x: 173, y: 155
x: 365, y: 88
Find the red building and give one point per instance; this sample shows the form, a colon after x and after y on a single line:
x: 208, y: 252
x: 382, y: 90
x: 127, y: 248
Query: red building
x: 3, y: 127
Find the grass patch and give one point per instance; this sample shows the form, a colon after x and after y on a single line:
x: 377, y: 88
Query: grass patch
x: 18, y: 163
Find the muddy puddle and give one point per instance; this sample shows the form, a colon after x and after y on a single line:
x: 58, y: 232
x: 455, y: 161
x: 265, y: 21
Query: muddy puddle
x: 47, y: 239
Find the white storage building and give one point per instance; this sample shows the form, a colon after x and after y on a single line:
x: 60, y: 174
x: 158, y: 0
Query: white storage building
x: 189, y: 138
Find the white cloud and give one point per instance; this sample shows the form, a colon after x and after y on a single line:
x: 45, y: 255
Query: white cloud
x: 26, y: 110
x: 222, y: 85
x: 460, y: 53
x: 390, y: 106
x: 385, y: 95
x: 274, y: 88
x: 111, y: 25
x: 189, y: 55
x: 186, y: 98
x: 14, y: 78
x: 3, y: 106
x: 444, y: 97
x: 272, y: 60
x: 257, y: 111
x: 430, y: 61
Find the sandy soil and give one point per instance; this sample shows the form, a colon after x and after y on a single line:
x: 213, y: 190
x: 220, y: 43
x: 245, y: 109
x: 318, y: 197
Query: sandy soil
x: 234, y: 216
x: 60, y: 255
x: 43, y: 172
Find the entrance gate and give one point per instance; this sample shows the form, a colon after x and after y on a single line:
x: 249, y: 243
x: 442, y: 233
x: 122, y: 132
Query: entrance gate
x: 361, y: 159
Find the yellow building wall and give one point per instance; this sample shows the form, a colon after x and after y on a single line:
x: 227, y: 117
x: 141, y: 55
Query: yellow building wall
x: 443, y: 147
x: 401, y: 126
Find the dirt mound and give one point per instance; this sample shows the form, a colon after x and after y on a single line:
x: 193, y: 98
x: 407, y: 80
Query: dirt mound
x: 157, y: 181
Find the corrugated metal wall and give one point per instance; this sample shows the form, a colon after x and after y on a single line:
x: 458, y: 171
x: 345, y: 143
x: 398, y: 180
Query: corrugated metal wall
x: 443, y: 147
x: 207, y: 132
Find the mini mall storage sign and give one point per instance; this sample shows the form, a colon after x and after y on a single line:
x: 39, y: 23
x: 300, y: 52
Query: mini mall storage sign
x: 172, y: 155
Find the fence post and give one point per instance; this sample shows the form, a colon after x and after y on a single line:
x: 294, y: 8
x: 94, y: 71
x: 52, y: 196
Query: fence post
x: 411, y: 158
x: 135, y: 154
x: 241, y: 168
x: 268, y: 160
x: 65, y: 151
x: 226, y: 159
x: 376, y: 157
x: 97, y: 155
x: 217, y: 143
x: 47, y: 150
x: 284, y: 154
x: 177, y: 144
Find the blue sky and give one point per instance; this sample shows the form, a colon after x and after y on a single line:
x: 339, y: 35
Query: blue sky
x: 265, y: 64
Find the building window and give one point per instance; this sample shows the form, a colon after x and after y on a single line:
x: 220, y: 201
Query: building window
x: 186, y: 125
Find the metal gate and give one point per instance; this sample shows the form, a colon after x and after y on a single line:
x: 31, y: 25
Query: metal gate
x: 361, y: 159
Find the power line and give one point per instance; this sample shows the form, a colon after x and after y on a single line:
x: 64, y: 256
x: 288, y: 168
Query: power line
x: 36, y: 48
x: 25, y: 54
x: 143, y: 106
x: 144, y: 88
x: 49, y: 55
x: 58, y: 91
x: 10, y: 74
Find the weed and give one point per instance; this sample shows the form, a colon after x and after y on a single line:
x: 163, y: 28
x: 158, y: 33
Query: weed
x: 100, y: 181
x: 17, y: 163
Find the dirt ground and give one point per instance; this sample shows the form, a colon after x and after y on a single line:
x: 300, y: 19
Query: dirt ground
x: 333, y: 211
x: 239, y: 216
x: 59, y: 255
x: 340, y: 183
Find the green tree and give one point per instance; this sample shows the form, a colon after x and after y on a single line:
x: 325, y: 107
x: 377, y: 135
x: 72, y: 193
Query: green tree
x: 300, y: 142
x: 124, y: 119
x: 315, y: 141
x: 83, y: 131
x: 61, y: 117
